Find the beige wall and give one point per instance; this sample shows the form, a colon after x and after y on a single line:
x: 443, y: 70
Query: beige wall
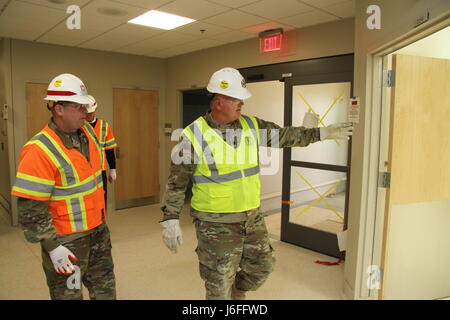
x: 397, y: 19
x: 100, y: 72
x: 5, y: 98
x: 193, y: 70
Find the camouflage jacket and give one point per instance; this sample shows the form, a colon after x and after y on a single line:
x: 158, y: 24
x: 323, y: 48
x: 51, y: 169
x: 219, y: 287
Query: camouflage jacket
x: 181, y: 174
x: 34, y: 218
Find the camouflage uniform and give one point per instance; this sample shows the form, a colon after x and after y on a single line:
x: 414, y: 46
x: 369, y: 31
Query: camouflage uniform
x: 92, y: 248
x: 233, y: 248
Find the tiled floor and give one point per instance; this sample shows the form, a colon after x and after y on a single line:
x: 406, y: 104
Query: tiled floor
x: 145, y: 269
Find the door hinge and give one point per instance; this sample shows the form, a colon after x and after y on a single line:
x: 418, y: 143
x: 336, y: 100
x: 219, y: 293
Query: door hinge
x: 388, y: 78
x: 384, y: 180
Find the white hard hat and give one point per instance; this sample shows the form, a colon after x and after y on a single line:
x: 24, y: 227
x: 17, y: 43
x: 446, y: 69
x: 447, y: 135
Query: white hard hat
x: 92, y: 105
x: 229, y: 82
x: 67, y: 87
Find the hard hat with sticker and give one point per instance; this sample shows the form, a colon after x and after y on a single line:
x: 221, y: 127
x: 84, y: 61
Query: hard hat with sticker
x: 224, y: 84
x: 58, y: 83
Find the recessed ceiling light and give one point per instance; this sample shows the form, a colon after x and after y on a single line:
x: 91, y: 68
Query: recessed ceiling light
x: 161, y: 20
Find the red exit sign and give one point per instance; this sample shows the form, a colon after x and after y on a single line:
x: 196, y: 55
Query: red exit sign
x: 271, y: 42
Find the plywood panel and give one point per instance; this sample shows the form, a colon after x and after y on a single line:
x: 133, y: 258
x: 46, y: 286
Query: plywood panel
x: 136, y: 130
x: 37, y: 114
x: 420, y: 145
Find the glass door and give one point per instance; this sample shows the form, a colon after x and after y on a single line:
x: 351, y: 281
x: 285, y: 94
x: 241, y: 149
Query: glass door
x: 316, y: 177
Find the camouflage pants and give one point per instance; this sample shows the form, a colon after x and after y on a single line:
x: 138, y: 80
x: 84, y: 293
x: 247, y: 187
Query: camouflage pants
x: 230, y: 253
x: 94, y: 269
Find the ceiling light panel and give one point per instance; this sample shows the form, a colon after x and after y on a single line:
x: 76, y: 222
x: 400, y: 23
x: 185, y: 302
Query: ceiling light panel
x: 161, y: 20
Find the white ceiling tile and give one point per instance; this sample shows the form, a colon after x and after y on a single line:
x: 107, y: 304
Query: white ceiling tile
x: 276, y: 9
x: 234, y: 36
x: 147, y: 4
x: 62, y: 40
x: 320, y: 3
x: 171, y: 52
x: 125, y: 12
x: 343, y: 9
x: 267, y: 26
x: 308, y: 19
x: 236, y: 20
x: 24, y: 30
x: 132, y: 50
x: 195, y: 27
x: 59, y: 6
x: 159, y: 42
x: 121, y: 36
x: 91, y: 27
x: 194, y: 9
x: 206, y: 43
x: 20, y: 16
x: 25, y: 10
x: 233, y: 3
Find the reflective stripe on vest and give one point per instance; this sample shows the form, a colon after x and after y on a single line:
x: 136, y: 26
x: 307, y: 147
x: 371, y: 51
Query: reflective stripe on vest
x: 73, y: 190
x: 227, y: 177
x: 215, y: 176
x: 32, y: 185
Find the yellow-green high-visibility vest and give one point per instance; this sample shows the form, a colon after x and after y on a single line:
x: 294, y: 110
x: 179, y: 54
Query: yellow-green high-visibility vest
x: 226, y: 178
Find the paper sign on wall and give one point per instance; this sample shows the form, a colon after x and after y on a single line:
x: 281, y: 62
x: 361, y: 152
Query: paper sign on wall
x: 353, y: 110
x: 342, y: 240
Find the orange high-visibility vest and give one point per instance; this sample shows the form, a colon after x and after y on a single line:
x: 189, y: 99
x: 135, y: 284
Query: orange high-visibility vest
x: 105, y: 137
x: 72, y: 185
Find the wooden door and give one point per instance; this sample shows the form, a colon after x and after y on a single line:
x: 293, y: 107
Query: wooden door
x: 37, y: 114
x: 136, y: 129
x: 416, y: 241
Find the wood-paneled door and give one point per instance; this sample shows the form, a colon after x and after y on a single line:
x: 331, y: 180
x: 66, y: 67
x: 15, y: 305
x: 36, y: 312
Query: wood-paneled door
x: 415, y: 253
x: 136, y: 128
x: 37, y: 114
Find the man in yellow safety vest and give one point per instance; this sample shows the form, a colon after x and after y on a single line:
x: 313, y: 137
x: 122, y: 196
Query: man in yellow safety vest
x: 218, y: 152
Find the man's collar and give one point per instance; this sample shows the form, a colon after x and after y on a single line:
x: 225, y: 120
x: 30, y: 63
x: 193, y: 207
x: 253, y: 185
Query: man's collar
x: 64, y: 136
x: 212, y: 123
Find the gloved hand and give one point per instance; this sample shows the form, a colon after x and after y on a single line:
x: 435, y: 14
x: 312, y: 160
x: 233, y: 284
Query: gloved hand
x: 341, y: 130
x: 112, y: 175
x: 60, y: 258
x: 172, y: 234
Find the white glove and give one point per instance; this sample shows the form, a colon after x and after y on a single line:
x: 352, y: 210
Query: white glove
x: 340, y: 130
x: 60, y: 258
x: 112, y: 175
x: 172, y: 234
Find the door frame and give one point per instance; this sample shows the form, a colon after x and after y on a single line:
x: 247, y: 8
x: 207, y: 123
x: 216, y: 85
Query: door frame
x: 327, y: 71
x: 373, y: 198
